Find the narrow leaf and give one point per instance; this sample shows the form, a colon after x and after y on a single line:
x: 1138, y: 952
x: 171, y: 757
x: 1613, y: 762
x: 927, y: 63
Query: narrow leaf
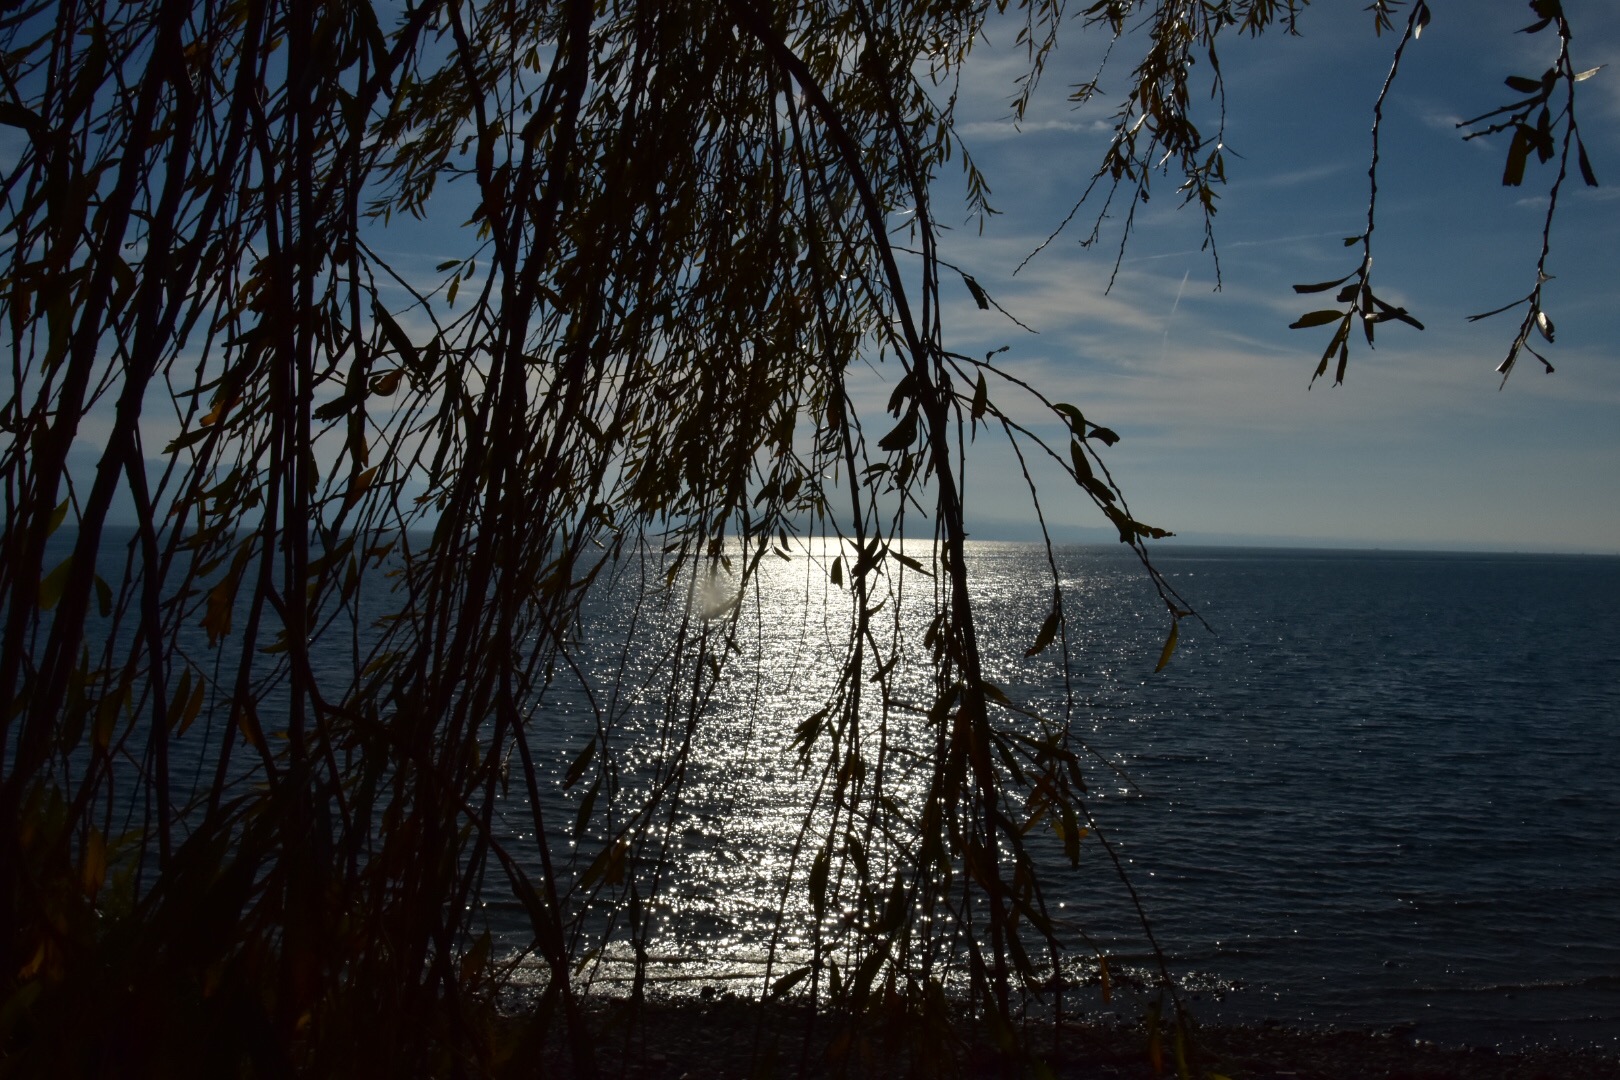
x: 790, y: 980
x: 818, y: 881
x: 903, y: 435
x: 1169, y: 646
x: 1518, y: 156
x: 581, y: 761
x: 1077, y: 422
x: 217, y: 618
x: 472, y: 963
x: 1082, y: 467
x: 94, y: 870
x: 1098, y: 489
x: 359, y: 485
x: 1048, y: 632
x: 1316, y: 318
x: 335, y: 408
x: 50, y: 590
x: 979, y: 295
x: 1586, y: 164
x: 582, y: 819
x: 1322, y: 286
x: 196, y: 434
x: 1104, y: 435
x: 608, y: 866
x: 981, y: 395
x: 397, y: 337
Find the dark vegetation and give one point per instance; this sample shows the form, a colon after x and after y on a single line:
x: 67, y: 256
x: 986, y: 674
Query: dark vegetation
x: 677, y: 243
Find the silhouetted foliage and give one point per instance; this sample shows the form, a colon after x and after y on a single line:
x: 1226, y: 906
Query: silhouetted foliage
x: 379, y: 506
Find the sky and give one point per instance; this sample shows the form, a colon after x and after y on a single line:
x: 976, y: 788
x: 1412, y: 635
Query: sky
x: 1224, y: 439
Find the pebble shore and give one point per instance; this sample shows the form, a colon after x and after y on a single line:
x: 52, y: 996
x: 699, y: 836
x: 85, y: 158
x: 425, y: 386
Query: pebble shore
x: 737, y: 1039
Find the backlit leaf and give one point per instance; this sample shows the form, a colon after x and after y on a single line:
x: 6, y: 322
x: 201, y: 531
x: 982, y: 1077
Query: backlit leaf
x: 385, y: 383
x: 93, y: 870
x: 1545, y: 325
x: 217, y: 616
x: 1169, y: 646
x: 359, y: 485
x: 193, y: 707
x: 50, y: 590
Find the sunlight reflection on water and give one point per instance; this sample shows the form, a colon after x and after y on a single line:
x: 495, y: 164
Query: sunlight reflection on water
x: 1361, y: 800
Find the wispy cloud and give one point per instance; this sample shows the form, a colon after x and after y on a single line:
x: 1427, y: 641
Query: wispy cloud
x: 999, y: 130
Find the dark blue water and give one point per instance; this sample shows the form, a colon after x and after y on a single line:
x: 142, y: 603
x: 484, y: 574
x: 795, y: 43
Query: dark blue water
x: 1384, y: 790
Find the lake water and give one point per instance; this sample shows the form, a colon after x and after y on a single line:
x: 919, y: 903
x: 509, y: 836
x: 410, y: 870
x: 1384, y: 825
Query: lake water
x: 1382, y: 789
x: 1385, y: 790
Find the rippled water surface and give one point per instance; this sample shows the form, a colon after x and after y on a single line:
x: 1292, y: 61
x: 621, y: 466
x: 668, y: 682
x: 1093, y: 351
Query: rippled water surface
x: 1383, y: 790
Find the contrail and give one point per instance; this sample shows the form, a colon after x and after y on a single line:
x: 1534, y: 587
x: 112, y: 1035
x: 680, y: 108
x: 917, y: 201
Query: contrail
x: 1164, y: 345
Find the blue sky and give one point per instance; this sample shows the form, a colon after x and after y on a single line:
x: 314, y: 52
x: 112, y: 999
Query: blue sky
x: 1222, y: 440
